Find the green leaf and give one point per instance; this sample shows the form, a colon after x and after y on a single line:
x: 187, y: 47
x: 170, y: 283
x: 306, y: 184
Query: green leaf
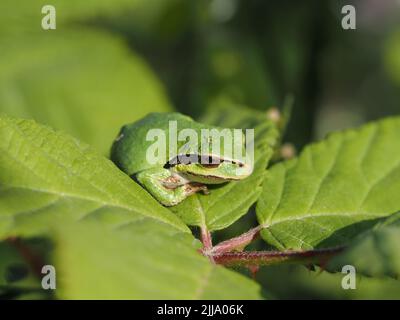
x: 227, y: 203
x: 334, y: 190
x: 84, y: 82
x: 47, y: 177
x: 381, y: 246
x: 139, y: 262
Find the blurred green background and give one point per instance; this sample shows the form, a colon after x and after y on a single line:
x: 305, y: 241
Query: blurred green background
x: 110, y: 62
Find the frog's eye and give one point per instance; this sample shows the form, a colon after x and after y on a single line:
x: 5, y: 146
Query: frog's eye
x: 182, y: 159
x: 211, y: 161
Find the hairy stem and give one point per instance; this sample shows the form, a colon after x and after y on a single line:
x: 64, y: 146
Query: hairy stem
x: 265, y: 258
x: 228, y: 253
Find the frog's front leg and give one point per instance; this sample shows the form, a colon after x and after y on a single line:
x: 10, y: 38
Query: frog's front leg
x: 168, y: 188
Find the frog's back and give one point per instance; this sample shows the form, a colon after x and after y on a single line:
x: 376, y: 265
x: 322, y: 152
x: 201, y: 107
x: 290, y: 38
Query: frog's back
x: 129, y: 149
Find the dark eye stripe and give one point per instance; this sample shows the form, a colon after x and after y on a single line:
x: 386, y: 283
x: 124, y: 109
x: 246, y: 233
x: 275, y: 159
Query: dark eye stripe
x: 205, y: 161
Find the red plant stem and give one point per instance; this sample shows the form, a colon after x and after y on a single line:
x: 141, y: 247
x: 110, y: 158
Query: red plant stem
x: 207, y: 243
x: 236, y: 243
x: 264, y: 258
x: 206, y: 238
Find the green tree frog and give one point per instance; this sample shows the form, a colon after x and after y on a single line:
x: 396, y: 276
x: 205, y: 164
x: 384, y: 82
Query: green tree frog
x: 185, y: 157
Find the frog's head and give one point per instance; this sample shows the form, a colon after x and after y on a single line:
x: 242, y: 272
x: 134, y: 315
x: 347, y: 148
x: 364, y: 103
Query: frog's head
x: 211, y: 169
x: 216, y: 165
